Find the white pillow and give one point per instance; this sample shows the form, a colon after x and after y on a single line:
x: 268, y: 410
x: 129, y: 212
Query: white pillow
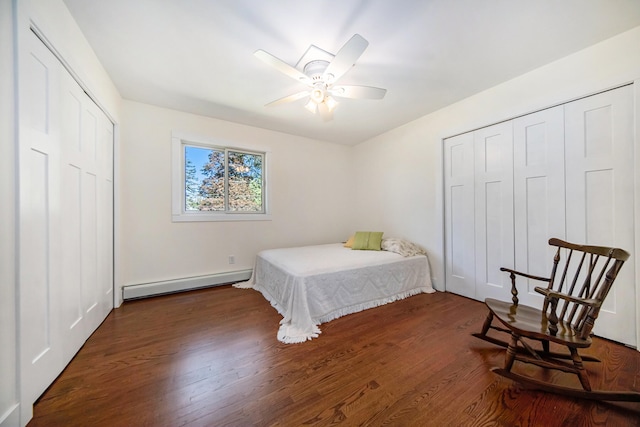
x: 402, y: 247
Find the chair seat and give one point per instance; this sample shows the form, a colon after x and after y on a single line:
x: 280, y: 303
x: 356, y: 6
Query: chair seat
x: 532, y: 323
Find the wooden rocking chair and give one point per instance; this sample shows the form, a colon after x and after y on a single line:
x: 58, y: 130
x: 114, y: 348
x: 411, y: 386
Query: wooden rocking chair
x: 572, y: 300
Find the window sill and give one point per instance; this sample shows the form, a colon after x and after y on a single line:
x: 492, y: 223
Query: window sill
x: 196, y: 217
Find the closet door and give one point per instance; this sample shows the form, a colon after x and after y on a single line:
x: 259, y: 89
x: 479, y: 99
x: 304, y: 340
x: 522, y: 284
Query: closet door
x: 40, y: 236
x: 599, y: 175
x: 494, y: 237
x: 539, y: 196
x: 65, y: 218
x: 71, y: 314
x: 459, y: 234
x: 87, y: 215
x: 95, y: 213
x: 104, y: 219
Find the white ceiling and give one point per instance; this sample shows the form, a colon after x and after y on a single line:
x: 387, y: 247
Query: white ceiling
x: 197, y: 55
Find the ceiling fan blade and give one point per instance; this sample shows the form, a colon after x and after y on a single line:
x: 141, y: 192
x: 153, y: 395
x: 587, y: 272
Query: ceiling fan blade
x: 325, y: 112
x: 358, y: 92
x: 282, y: 66
x: 289, y: 98
x: 346, y: 57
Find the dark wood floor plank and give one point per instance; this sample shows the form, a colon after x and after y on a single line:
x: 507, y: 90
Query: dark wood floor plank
x: 210, y: 358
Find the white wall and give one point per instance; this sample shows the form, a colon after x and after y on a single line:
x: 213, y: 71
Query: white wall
x: 310, y: 198
x: 402, y: 194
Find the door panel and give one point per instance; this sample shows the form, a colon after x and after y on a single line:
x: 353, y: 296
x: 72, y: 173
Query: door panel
x: 39, y: 257
x: 539, y: 195
x: 459, y: 193
x: 71, y: 141
x: 105, y: 215
x: 599, y: 142
x: 90, y: 294
x: 493, y: 210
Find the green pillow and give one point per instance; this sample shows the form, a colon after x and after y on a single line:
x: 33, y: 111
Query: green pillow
x: 367, y: 240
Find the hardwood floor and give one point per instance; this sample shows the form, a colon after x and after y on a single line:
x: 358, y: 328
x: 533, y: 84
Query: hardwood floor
x: 210, y: 358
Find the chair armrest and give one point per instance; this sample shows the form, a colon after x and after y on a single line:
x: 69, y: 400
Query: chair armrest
x: 528, y: 276
x: 514, y: 288
x: 584, y: 301
x: 551, y: 298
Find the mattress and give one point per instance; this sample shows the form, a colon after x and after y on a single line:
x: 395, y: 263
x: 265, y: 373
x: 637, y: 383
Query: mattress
x: 312, y: 285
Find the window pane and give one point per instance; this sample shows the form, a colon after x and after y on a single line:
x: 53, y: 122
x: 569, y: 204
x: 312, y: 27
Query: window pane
x: 245, y: 182
x: 204, y: 179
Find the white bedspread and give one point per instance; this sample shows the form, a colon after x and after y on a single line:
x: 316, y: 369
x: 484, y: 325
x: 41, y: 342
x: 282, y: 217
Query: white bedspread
x: 311, y: 285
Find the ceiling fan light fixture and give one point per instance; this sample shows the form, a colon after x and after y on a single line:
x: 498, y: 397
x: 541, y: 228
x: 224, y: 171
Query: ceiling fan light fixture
x: 311, y: 106
x: 318, y: 93
x: 331, y: 103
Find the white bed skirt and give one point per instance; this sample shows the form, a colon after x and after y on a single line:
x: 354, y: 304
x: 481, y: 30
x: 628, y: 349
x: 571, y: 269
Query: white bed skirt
x: 315, y: 284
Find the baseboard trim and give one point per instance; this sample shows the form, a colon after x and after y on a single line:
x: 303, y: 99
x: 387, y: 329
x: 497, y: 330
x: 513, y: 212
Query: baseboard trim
x: 144, y: 290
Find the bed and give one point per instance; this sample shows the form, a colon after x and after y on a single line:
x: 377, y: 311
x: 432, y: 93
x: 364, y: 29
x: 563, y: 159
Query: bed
x: 312, y: 285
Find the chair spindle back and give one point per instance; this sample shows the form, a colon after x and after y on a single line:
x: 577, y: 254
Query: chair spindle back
x: 586, y: 273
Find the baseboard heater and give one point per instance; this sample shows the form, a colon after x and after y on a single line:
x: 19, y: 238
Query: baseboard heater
x: 144, y: 290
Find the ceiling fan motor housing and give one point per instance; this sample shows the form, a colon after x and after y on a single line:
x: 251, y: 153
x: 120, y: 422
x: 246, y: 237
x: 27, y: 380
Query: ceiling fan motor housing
x: 315, y: 69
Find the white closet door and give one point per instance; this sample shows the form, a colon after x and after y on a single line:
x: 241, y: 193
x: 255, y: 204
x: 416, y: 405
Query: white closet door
x: 72, y: 315
x: 87, y: 215
x: 97, y: 215
x: 493, y: 148
x: 89, y: 218
x: 39, y: 218
x: 459, y: 235
x: 539, y: 196
x: 599, y: 175
x: 105, y: 218
x: 65, y: 218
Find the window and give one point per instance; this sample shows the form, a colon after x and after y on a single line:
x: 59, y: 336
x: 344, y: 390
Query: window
x: 214, y: 182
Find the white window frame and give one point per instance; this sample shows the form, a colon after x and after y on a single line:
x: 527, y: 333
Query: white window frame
x: 178, y: 196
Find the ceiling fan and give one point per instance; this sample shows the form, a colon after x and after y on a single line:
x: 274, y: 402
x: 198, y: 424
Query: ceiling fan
x: 320, y: 71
